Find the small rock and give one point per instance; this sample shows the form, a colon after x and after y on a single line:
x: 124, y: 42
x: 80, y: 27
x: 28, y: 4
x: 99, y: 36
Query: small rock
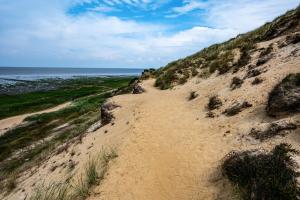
x: 137, y: 89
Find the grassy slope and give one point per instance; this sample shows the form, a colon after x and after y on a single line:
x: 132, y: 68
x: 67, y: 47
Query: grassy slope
x: 71, y: 89
x: 40, y: 129
x: 219, y: 57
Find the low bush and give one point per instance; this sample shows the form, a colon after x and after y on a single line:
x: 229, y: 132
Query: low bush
x: 236, y: 82
x: 264, y: 176
x: 214, y: 103
x: 285, y: 97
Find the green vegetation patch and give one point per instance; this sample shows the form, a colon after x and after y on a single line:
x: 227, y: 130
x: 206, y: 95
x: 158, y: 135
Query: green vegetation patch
x: 68, y: 90
x: 42, y: 133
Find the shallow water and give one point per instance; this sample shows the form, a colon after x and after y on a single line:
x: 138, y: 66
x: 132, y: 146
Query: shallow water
x: 36, y: 73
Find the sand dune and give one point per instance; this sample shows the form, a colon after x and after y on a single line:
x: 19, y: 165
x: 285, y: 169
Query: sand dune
x: 167, y: 147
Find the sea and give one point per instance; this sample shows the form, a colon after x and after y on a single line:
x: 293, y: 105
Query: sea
x: 13, y: 74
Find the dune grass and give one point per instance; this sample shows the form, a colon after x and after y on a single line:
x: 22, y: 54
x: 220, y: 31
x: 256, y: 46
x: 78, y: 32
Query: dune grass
x: 40, y: 135
x: 78, y: 189
x: 219, y: 57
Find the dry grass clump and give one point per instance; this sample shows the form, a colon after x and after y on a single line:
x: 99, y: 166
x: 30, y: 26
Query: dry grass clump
x: 214, y: 103
x: 220, y: 57
x: 273, y: 129
x: 51, y: 192
x: 257, y: 81
x: 148, y: 73
x: 266, y: 51
x: 94, y: 173
x: 285, y: 97
x: 236, y: 82
x: 11, y: 182
x: 264, y: 176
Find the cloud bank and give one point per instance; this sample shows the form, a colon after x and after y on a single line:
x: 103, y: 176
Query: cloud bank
x: 44, y: 33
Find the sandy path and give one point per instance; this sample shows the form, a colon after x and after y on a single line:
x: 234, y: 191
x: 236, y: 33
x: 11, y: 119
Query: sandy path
x: 170, y: 154
x: 173, y: 152
x: 11, y: 122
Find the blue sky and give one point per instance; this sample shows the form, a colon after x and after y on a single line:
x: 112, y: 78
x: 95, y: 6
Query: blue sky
x: 122, y: 33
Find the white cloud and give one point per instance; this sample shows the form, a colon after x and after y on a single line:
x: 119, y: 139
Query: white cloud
x: 245, y: 15
x: 189, y: 5
x: 47, y: 36
x: 103, y: 9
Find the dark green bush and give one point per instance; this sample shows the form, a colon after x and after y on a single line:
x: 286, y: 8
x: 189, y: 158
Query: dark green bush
x: 264, y: 176
x: 214, y: 103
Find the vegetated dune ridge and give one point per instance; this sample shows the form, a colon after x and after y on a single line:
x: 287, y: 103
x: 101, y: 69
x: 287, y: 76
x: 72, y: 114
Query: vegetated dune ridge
x: 11, y: 122
x: 167, y: 146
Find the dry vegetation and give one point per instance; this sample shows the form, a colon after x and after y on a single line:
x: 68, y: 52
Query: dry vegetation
x: 220, y: 57
x: 78, y: 189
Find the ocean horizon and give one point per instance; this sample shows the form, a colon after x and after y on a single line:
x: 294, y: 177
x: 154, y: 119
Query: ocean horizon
x: 36, y: 73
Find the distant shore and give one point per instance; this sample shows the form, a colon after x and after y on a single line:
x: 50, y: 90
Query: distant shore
x: 11, y: 75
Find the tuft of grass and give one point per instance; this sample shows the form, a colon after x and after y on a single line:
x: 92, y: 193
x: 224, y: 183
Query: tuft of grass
x: 91, y: 172
x: 205, y: 74
x: 219, y: 57
x: 11, y: 182
x: 37, y: 138
x: 79, y: 189
x: 266, y: 51
x: 51, y: 192
x: 236, y: 82
x: 261, y: 175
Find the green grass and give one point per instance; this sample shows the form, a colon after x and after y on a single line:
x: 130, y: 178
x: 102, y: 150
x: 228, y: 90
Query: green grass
x: 38, y: 136
x: 70, y: 89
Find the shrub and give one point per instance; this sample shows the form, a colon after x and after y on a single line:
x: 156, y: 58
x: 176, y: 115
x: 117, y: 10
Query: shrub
x: 285, y: 97
x: 257, y: 81
x: 205, y: 73
x: 236, y: 82
x: 266, y: 51
x: 264, y: 176
x: 214, y: 103
x: 11, y: 182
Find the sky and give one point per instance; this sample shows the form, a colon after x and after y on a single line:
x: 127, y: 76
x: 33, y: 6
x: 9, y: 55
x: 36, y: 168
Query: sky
x: 122, y: 33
